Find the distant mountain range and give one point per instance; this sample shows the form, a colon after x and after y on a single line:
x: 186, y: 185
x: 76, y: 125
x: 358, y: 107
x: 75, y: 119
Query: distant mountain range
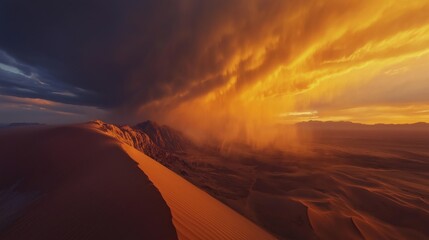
x: 168, y: 137
x: 20, y: 124
x: 344, y: 125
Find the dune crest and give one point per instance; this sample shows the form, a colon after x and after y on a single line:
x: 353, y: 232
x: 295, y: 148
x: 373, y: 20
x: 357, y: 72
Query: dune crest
x: 196, y: 215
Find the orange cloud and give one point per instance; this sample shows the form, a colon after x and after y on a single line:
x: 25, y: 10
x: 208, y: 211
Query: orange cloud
x: 303, y: 56
x: 28, y: 101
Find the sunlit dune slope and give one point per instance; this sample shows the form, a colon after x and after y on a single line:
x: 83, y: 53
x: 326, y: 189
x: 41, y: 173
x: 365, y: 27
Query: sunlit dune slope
x: 196, y: 215
x: 74, y: 183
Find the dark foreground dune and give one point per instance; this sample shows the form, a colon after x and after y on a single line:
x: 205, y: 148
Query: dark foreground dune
x: 73, y: 183
x: 79, y: 182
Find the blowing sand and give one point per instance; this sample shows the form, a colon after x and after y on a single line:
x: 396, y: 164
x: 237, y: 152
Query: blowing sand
x: 196, y: 215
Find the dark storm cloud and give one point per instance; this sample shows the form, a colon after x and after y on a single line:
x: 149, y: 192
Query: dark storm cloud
x: 133, y: 52
x: 127, y: 52
x: 71, y: 41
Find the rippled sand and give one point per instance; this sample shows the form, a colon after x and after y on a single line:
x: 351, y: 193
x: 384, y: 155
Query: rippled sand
x: 339, y: 185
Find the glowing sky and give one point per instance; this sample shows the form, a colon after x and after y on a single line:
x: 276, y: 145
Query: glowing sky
x: 231, y: 64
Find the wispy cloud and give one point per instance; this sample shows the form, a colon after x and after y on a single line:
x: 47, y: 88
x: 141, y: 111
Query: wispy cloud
x: 22, y: 80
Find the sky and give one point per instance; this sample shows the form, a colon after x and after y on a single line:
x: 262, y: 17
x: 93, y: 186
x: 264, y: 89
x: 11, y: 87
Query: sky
x: 235, y: 65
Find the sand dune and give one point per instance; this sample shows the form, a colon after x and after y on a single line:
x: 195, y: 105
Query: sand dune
x: 196, y: 215
x: 339, y: 184
x: 82, y: 182
x: 74, y: 183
